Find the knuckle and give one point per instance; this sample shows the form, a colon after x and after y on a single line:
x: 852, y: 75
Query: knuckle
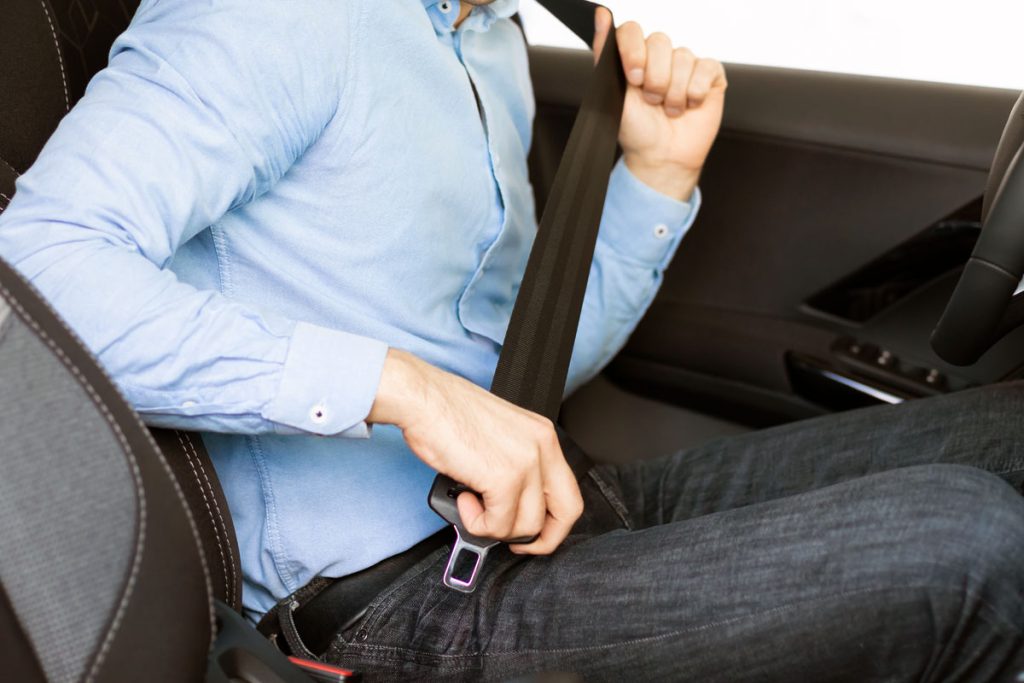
x: 676, y: 98
x: 685, y: 54
x: 528, y: 528
x: 503, y: 527
x: 530, y: 462
x: 544, y: 429
x: 576, y: 510
x: 657, y: 85
x: 660, y: 39
x: 507, y: 477
x: 546, y: 423
x: 551, y: 442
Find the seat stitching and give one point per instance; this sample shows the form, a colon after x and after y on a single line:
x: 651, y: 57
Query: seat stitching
x: 230, y: 567
x: 60, y: 57
x: 193, y: 457
x: 5, y: 197
x: 136, y: 473
x: 13, y: 170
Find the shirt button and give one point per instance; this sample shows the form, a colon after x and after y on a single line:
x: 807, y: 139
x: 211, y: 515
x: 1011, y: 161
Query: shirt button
x: 188, y: 404
x: 497, y: 159
x: 446, y: 6
x: 662, y: 232
x: 318, y: 414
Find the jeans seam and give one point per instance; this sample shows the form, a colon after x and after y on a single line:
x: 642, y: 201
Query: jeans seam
x: 695, y: 629
x: 618, y: 507
x: 375, y: 610
x: 1005, y: 467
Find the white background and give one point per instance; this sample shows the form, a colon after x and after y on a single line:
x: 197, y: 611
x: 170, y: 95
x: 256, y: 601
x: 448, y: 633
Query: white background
x: 976, y: 42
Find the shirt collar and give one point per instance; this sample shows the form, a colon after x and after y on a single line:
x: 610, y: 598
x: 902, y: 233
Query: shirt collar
x: 484, y: 16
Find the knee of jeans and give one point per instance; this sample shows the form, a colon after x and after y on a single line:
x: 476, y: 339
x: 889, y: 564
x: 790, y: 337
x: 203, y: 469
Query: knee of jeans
x: 995, y: 411
x: 964, y: 532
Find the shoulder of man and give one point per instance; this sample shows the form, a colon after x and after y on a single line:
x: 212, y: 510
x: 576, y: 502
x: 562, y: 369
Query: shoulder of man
x: 272, y: 70
x: 301, y: 45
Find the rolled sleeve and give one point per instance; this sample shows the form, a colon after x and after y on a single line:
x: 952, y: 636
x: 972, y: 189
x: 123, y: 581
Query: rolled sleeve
x: 329, y: 382
x: 641, y: 224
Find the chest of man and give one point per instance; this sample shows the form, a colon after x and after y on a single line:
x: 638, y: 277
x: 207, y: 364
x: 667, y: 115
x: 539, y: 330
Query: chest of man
x: 411, y: 217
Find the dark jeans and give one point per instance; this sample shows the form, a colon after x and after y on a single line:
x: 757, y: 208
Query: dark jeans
x: 879, y: 545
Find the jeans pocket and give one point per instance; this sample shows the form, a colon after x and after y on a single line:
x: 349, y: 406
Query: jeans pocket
x: 604, y: 509
x: 363, y: 629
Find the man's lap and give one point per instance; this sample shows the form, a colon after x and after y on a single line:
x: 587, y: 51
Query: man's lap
x: 778, y: 555
x: 981, y: 428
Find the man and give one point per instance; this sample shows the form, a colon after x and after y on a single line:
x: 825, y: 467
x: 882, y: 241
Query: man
x: 279, y: 221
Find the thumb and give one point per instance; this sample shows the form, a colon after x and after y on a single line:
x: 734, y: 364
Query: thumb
x: 602, y: 26
x: 471, y: 510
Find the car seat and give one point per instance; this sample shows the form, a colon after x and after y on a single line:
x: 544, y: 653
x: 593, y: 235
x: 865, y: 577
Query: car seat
x: 116, y: 564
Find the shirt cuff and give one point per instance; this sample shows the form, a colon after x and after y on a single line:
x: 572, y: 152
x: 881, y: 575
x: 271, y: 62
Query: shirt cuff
x: 329, y: 383
x: 640, y: 223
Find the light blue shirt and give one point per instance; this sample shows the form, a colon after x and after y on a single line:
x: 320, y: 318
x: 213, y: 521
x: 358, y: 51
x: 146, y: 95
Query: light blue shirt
x: 258, y: 197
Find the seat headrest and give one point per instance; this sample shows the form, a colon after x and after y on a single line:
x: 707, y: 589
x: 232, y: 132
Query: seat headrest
x: 49, y: 49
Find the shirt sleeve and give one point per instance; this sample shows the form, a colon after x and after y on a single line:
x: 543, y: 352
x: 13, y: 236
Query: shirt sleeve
x: 204, y: 106
x: 640, y: 233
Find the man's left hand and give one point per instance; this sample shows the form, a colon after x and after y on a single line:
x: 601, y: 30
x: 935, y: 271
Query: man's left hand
x: 673, y: 107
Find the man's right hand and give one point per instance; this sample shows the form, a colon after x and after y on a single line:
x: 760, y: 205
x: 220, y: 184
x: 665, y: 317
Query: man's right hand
x: 509, y: 455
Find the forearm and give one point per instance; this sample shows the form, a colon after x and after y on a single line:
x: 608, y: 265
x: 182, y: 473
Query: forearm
x: 188, y: 358
x: 640, y: 233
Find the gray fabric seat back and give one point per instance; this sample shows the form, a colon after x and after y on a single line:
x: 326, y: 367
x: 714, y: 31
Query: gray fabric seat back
x: 101, y: 573
x: 49, y: 49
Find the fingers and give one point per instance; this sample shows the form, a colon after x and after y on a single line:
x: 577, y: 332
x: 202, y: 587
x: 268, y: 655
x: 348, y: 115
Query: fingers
x: 708, y: 76
x: 532, y: 507
x: 515, y: 506
x: 562, y: 500
x: 673, y: 78
x: 677, y: 99
x: 544, y: 501
x: 658, y: 77
x: 633, y: 49
x: 495, y: 516
x: 602, y: 27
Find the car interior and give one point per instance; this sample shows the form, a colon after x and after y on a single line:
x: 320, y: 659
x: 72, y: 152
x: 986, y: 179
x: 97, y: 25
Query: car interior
x: 842, y: 217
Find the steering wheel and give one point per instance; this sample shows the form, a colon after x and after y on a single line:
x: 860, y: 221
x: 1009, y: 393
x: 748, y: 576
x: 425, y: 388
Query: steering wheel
x: 985, y: 307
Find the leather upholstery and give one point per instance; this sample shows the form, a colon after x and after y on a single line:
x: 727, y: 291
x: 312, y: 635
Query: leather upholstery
x: 1012, y: 142
x: 191, y: 465
x: 20, y: 662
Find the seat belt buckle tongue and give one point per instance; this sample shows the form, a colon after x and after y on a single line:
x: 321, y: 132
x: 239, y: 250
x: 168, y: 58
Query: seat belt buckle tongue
x: 466, y: 560
x: 469, y: 552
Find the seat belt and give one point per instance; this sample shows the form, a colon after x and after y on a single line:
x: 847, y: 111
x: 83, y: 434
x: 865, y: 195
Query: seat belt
x: 534, y: 361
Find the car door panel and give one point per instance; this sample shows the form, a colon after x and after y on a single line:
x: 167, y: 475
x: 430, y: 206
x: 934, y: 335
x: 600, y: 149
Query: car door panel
x: 819, y: 185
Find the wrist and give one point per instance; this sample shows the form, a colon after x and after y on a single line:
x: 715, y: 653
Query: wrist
x: 670, y: 179
x: 401, y: 385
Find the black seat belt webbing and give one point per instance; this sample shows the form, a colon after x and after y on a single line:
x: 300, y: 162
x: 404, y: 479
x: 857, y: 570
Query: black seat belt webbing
x: 534, y: 360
